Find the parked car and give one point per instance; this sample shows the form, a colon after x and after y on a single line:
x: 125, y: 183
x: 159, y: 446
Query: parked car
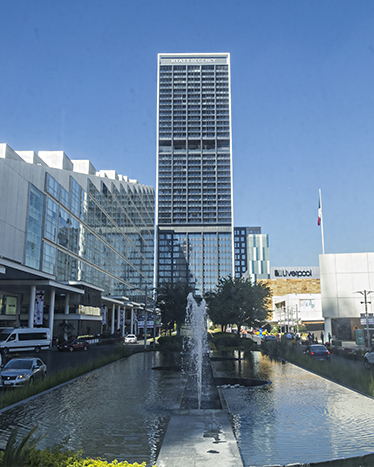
x: 131, y: 339
x: 73, y: 344
x: 269, y: 338
x: 369, y: 359
x: 21, y: 371
x: 318, y: 351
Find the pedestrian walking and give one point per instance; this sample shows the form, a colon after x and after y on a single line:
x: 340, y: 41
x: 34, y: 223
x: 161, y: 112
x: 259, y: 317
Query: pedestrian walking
x: 322, y: 337
x: 330, y: 338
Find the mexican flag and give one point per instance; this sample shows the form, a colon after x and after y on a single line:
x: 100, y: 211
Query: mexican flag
x: 319, y: 209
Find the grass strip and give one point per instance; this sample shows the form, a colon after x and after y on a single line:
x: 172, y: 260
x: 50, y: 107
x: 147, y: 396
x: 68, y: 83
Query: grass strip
x: 13, y: 395
x: 358, y: 379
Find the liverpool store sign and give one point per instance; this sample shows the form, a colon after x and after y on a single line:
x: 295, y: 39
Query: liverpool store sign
x: 294, y: 273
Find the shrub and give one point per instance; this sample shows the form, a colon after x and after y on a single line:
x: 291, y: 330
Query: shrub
x: 231, y: 341
x: 171, y: 343
x: 225, y: 339
x: 274, y: 349
x: 17, y: 453
x: 24, y: 453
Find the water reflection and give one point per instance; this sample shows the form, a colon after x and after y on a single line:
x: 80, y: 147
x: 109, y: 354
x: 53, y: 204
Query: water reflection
x: 118, y: 412
x: 121, y: 411
x: 299, y: 418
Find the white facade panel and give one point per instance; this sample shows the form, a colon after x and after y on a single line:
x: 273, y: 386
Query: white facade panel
x: 342, y: 276
x: 303, y: 307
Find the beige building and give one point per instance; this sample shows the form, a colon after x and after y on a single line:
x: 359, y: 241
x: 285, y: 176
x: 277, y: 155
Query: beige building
x: 280, y: 287
x: 296, y: 297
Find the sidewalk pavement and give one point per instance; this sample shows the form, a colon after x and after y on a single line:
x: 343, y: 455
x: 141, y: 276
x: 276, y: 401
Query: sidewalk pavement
x: 353, y: 345
x: 197, y: 438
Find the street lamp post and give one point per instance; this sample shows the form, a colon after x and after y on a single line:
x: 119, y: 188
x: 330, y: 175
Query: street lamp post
x: 154, y: 317
x: 365, y: 293
x: 145, y: 318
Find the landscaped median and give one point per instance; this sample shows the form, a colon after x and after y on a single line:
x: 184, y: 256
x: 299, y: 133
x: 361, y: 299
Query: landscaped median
x: 358, y: 379
x: 23, y: 453
x: 9, y: 397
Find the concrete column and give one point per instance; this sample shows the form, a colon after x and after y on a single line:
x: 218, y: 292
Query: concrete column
x: 51, y: 310
x: 32, y: 306
x: 132, y: 321
x: 18, y: 311
x: 328, y: 329
x: 67, y: 301
x: 118, y: 316
x: 113, y: 310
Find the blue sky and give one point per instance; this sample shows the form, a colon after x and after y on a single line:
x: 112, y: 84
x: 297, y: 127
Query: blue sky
x: 80, y: 76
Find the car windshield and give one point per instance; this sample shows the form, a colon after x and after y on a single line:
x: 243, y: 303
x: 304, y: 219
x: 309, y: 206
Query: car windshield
x: 4, y: 336
x: 18, y: 365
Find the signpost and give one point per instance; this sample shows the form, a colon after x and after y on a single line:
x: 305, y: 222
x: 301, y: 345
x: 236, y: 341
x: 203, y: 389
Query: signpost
x: 365, y: 293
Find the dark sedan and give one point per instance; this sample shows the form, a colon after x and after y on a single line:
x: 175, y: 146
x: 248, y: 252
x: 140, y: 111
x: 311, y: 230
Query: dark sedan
x: 73, y: 344
x: 318, y: 351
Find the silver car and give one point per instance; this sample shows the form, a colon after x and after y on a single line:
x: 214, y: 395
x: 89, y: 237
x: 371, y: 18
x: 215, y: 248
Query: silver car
x: 369, y: 359
x: 21, y: 371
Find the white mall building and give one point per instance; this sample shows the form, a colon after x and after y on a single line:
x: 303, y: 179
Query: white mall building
x: 81, y: 238
x: 343, y: 277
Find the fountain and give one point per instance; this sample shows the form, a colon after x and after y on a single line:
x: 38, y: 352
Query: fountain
x: 196, y: 346
x: 141, y: 418
x: 201, y: 386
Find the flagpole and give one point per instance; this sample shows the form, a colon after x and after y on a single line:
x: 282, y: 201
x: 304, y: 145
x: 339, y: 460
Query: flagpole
x: 323, y: 240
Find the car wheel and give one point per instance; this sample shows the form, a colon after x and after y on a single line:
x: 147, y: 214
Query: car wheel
x: 71, y: 349
x: 367, y: 364
x: 37, y: 349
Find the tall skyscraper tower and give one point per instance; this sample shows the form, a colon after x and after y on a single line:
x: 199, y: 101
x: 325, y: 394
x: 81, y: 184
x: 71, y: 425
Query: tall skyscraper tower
x: 194, y: 199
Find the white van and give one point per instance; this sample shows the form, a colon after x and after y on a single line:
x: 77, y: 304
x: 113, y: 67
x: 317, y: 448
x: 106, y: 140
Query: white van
x: 18, y: 339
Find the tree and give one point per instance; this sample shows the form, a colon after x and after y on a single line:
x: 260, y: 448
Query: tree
x: 172, y: 301
x: 238, y: 301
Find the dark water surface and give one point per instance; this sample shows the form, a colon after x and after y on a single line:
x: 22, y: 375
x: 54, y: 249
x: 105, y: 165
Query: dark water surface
x: 121, y: 412
x: 117, y: 412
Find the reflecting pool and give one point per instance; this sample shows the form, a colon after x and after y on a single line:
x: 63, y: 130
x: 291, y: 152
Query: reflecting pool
x: 121, y: 412
x: 299, y: 418
x: 117, y: 412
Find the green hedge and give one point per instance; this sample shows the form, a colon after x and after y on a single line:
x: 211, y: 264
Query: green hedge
x: 229, y: 340
x: 171, y: 343
x: 23, y: 453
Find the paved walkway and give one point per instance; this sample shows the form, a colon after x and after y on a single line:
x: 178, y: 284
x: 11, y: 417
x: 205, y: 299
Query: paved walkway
x: 199, y: 438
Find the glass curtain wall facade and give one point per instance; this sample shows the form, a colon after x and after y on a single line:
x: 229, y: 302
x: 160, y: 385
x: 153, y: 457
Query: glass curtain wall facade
x: 194, y: 202
x: 101, y: 236
x: 251, y: 253
x: 241, y: 236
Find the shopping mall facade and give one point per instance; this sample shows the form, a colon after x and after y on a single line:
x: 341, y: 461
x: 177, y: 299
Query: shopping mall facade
x: 345, y: 278
x: 79, y: 239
